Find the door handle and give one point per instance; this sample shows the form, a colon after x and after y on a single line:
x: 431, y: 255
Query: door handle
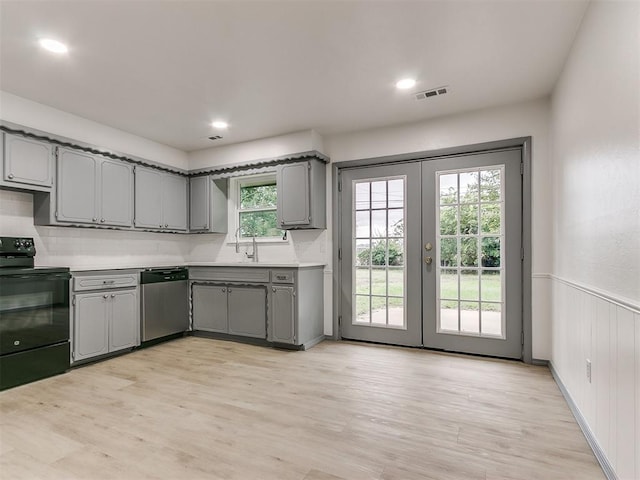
x: 428, y: 260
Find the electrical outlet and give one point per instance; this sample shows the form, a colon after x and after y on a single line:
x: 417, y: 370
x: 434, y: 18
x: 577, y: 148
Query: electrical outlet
x: 588, y: 370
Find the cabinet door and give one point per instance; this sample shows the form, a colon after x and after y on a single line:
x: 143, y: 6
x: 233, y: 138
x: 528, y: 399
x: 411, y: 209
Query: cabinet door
x: 90, y: 326
x: 77, y: 193
x: 174, y: 205
x: 283, y: 314
x: 116, y: 193
x: 293, y: 194
x: 148, y: 198
x: 210, y: 308
x: 28, y: 161
x: 123, y: 325
x: 247, y: 311
x: 199, y: 204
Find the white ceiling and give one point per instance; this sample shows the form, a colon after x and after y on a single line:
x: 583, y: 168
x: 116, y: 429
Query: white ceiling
x: 165, y: 69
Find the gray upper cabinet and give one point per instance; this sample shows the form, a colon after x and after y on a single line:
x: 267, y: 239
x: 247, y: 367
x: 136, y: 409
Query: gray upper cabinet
x: 302, y: 195
x: 116, y: 193
x: 208, y: 205
x: 94, y: 190
x: 174, y: 201
x: 161, y: 200
x: 27, y: 163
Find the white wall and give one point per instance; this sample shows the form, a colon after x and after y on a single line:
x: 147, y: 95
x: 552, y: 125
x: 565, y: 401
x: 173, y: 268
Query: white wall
x: 41, y: 117
x: 260, y: 149
x: 82, y: 247
x: 595, y: 129
x: 525, y: 119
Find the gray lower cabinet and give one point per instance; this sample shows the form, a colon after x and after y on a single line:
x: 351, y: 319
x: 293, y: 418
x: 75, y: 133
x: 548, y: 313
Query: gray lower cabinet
x: 283, y: 314
x: 296, y: 314
x: 160, y: 200
x: 210, y: 308
x: 247, y: 311
x: 105, y: 314
x: 27, y: 163
x: 242, y: 300
x: 93, y: 190
x: 208, y: 205
x: 232, y: 309
x: 302, y: 195
x: 104, y: 322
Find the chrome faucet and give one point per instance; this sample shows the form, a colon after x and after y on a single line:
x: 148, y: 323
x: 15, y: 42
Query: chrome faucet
x: 254, y: 254
x: 237, y: 240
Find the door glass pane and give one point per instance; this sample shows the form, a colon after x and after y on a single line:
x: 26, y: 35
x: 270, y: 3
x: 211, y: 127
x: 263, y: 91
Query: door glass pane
x: 469, y: 317
x: 471, y: 274
x: 469, y: 285
x: 379, y: 194
x: 492, y: 319
x: 468, y: 219
x: 379, y: 253
x: 491, y: 286
x: 396, y: 223
x: 449, y: 252
x: 363, y: 281
x: 449, y: 189
x: 379, y: 223
x: 448, y: 220
x: 490, y: 218
x: 396, y: 193
x: 362, y: 255
x: 491, y: 252
x: 363, y: 226
x: 362, y: 200
x: 490, y: 185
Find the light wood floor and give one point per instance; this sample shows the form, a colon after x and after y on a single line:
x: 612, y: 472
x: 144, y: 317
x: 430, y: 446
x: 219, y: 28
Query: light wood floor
x: 199, y: 408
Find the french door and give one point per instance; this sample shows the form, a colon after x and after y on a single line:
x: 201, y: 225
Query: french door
x: 431, y: 254
x: 380, y: 226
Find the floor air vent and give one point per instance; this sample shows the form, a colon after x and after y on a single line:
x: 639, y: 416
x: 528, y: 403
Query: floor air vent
x: 431, y: 93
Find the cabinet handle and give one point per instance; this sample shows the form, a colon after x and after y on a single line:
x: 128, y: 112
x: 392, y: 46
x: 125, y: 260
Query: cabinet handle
x: 106, y: 282
x: 10, y: 176
x: 229, y: 290
x: 105, y: 296
x: 160, y: 226
x: 113, y: 295
x: 224, y: 290
x: 94, y: 219
x: 166, y: 225
x: 102, y: 220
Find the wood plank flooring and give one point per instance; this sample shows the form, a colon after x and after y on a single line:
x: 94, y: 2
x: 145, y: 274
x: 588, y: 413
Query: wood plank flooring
x: 197, y: 408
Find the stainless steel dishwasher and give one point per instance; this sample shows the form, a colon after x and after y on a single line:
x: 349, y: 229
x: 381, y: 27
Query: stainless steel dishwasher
x: 165, y: 302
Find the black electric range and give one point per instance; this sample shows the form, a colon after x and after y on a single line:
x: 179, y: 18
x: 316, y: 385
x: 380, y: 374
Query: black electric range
x: 34, y: 315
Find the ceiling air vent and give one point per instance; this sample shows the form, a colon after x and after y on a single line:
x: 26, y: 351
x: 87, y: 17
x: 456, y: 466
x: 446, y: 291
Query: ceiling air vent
x: 215, y: 137
x: 434, y: 92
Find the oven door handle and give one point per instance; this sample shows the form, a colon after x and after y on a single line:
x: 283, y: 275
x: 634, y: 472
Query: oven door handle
x: 42, y: 276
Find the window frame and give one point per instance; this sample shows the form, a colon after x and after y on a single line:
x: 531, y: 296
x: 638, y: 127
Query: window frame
x: 236, y: 186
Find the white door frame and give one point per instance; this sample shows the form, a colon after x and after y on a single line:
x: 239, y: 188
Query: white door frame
x: 522, y: 142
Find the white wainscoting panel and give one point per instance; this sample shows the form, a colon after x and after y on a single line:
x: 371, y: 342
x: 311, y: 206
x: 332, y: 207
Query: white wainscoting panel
x: 593, y: 325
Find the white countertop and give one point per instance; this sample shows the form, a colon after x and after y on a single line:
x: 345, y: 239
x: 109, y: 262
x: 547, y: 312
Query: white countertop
x: 256, y: 264
x: 87, y: 268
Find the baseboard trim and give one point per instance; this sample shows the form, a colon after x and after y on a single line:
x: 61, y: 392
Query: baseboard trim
x: 539, y: 362
x: 607, y: 468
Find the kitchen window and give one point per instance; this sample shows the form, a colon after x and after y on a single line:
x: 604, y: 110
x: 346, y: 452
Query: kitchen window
x: 256, y: 200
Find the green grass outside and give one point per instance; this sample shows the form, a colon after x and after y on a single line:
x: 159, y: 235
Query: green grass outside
x: 469, y: 289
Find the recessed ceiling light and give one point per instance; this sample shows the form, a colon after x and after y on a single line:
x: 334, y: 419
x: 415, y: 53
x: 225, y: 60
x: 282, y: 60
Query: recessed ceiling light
x: 220, y: 125
x: 53, y: 45
x: 405, y: 83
